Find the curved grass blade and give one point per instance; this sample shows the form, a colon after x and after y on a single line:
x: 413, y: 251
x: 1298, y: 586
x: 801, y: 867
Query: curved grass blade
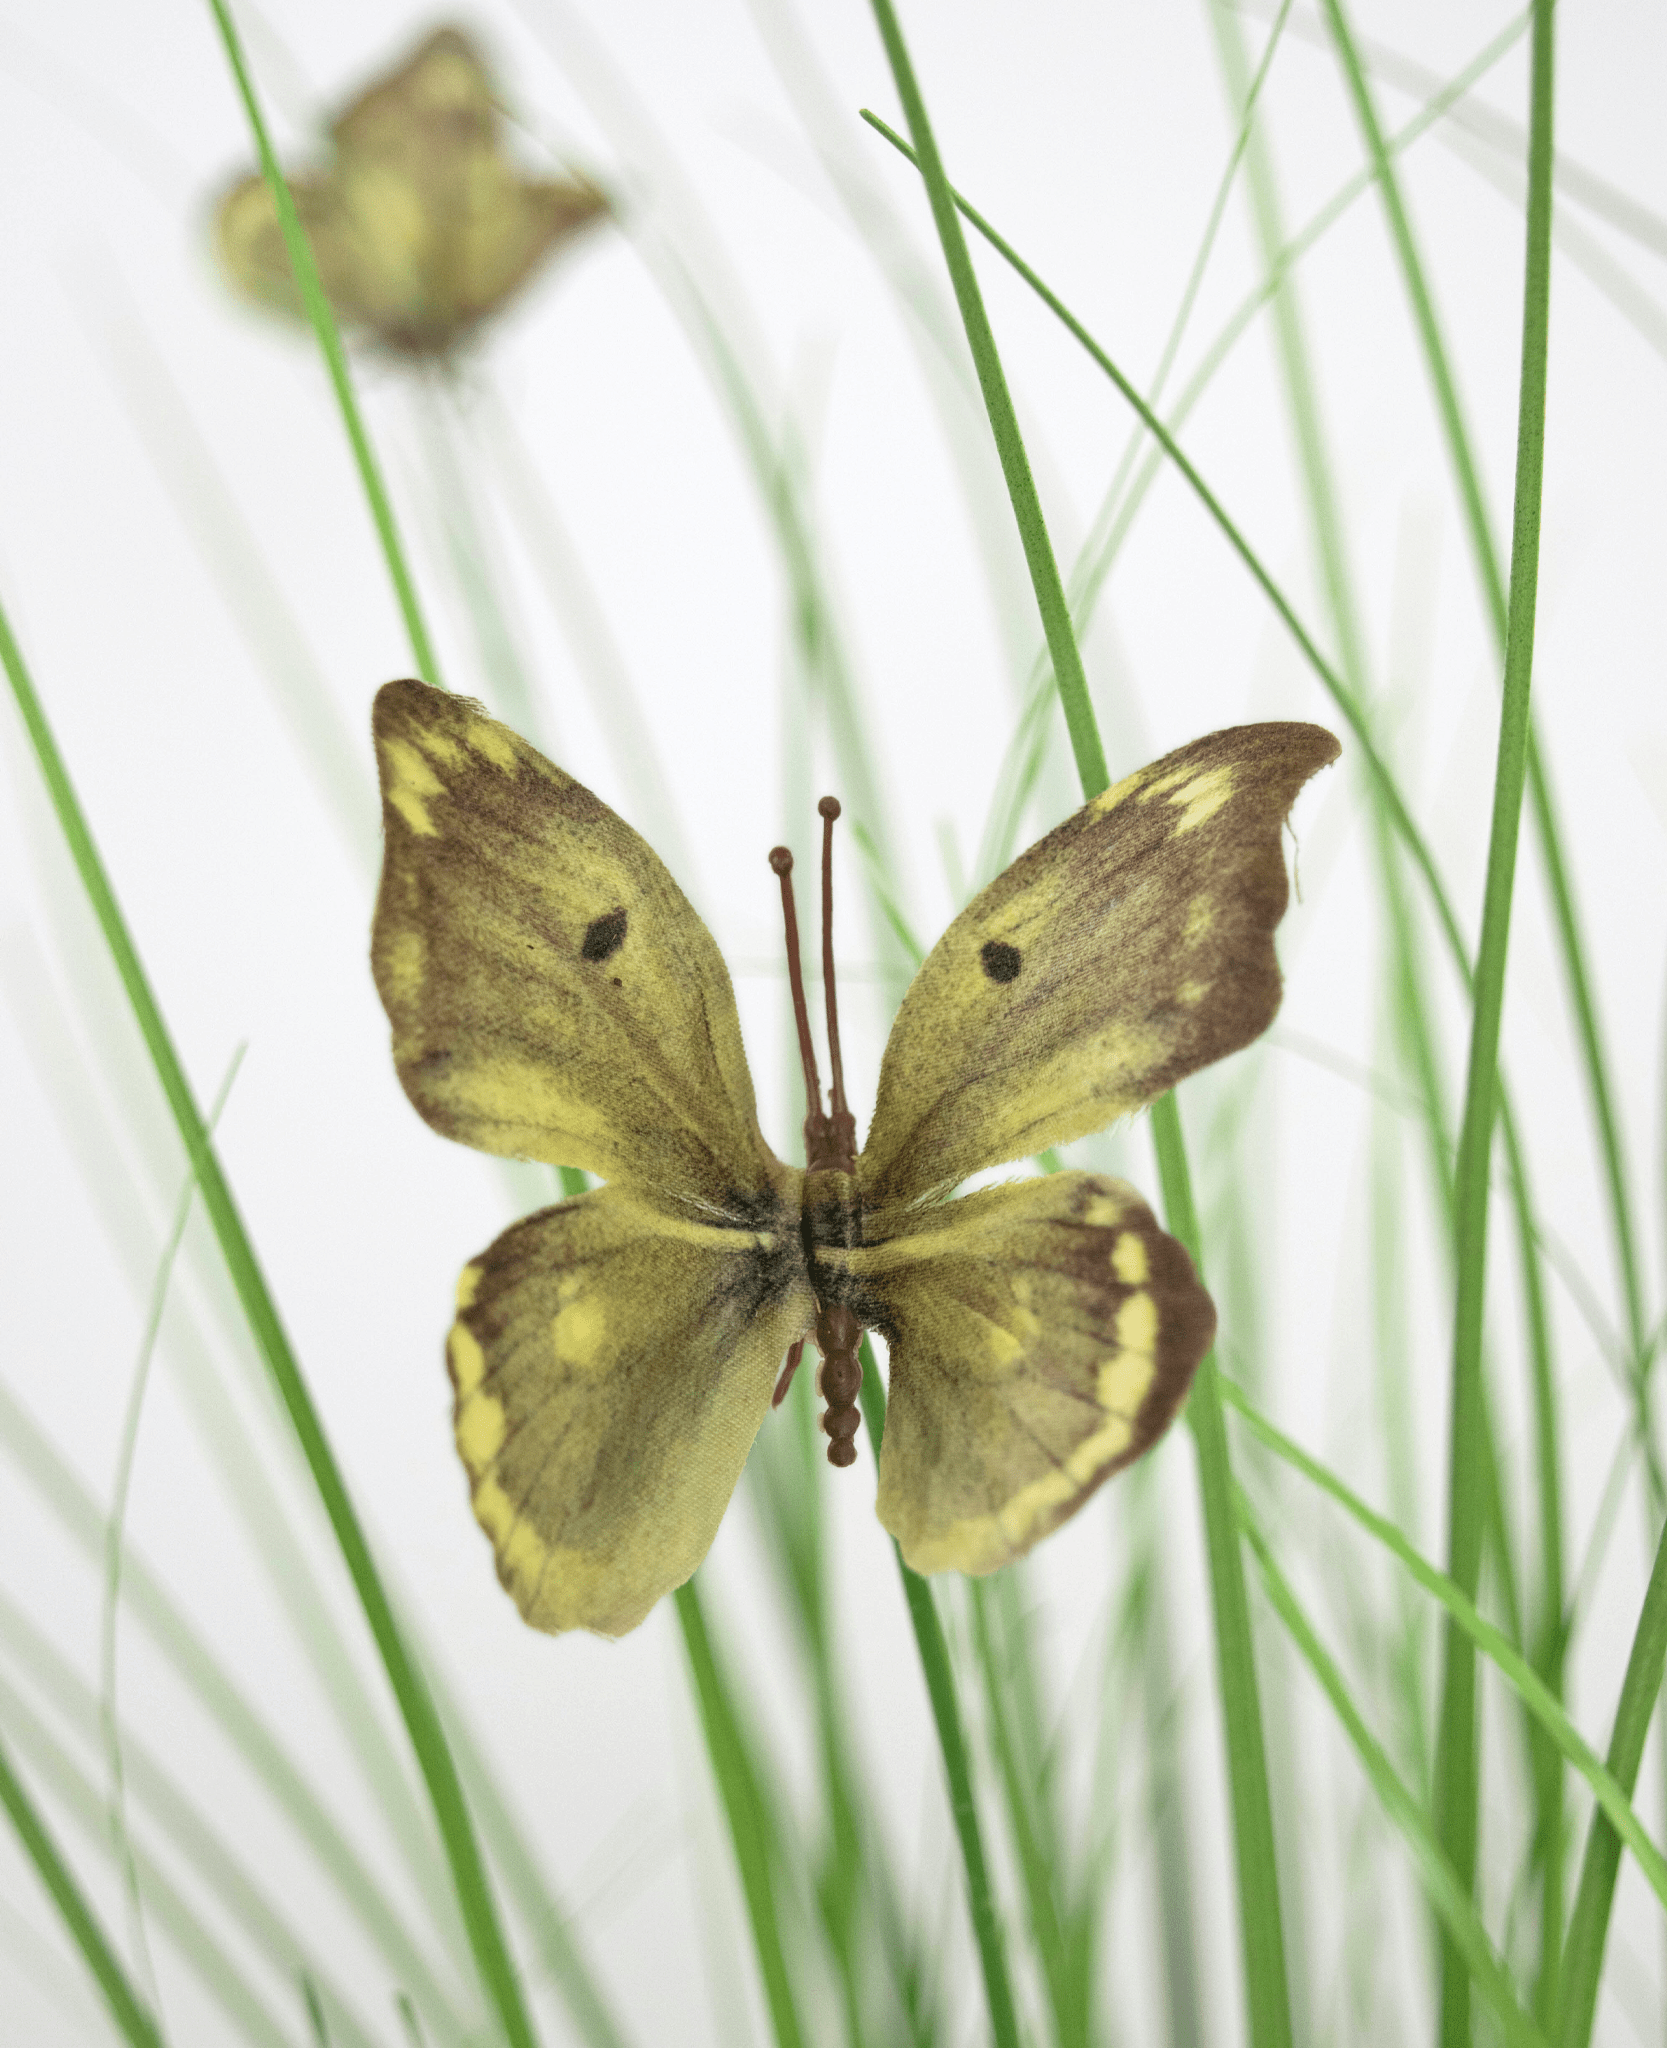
x: 240, y: 1892
x: 1540, y: 1701
x: 134, y: 2022
x: 335, y: 356
x: 1449, y: 1897
x: 1267, y: 1991
x: 114, y: 1544
x: 744, y: 1808
x: 946, y: 1712
x: 37, y: 1460
x: 415, y: 1703
x: 1589, y: 1923
x: 1457, y: 1781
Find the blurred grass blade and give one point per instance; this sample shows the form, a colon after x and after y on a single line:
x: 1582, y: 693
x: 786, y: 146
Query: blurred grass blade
x: 946, y: 1713
x: 85, y: 1931
x: 239, y: 1723
x: 1589, y: 1923
x: 197, y: 1839
x: 415, y: 1703
x: 1446, y: 1893
x: 1537, y: 1697
x: 1266, y: 1988
x: 335, y: 357
x: 1457, y: 1777
x: 115, y: 1526
x: 743, y: 1799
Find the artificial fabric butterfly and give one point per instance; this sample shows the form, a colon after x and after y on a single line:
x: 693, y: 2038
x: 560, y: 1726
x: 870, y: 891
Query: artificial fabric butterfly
x: 423, y: 225
x: 554, y: 996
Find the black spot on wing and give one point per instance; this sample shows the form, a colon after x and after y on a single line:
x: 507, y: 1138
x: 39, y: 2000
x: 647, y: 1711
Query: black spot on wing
x: 603, y: 936
x: 1000, y: 961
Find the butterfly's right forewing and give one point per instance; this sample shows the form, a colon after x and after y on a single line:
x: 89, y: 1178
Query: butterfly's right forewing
x: 1127, y: 949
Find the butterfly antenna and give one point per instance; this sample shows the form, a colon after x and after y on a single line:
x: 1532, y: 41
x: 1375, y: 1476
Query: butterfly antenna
x: 828, y: 808
x: 781, y: 860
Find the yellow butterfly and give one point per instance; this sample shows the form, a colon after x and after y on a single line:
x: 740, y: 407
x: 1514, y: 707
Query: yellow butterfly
x: 422, y: 227
x: 554, y: 996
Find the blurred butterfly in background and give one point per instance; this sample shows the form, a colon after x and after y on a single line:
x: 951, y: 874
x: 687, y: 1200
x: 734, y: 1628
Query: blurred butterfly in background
x: 554, y: 996
x: 422, y: 226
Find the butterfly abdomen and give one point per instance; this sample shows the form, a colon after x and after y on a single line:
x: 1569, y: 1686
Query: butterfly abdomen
x: 832, y: 1221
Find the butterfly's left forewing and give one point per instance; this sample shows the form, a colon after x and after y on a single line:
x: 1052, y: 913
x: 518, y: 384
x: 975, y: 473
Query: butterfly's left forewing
x: 552, y: 992
x: 612, y: 1361
x: 1042, y: 1335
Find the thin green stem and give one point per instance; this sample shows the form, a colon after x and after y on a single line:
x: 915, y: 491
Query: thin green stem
x: 416, y: 1705
x: 1450, y: 1899
x: 1457, y: 1778
x: 1537, y: 1697
x: 1589, y: 1923
x: 946, y: 1713
x: 744, y: 1810
x: 335, y: 356
x: 135, y: 2023
x: 1266, y: 1987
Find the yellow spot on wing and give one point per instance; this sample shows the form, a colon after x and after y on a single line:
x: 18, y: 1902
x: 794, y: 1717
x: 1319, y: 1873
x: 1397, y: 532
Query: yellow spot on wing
x: 480, y: 1431
x: 411, y: 781
x: 1102, y: 1211
x: 576, y: 1333
x: 521, y: 1552
x: 468, y: 1361
x: 494, y: 742
x: 406, y: 962
x: 1200, y: 917
x: 1128, y: 1259
x: 468, y: 1286
x: 1137, y: 1324
x: 1203, y: 796
x: 1123, y: 1383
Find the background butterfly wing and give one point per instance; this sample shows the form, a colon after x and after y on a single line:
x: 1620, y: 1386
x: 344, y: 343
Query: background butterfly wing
x: 552, y: 993
x: 1127, y: 949
x: 1042, y: 1335
x: 612, y: 1363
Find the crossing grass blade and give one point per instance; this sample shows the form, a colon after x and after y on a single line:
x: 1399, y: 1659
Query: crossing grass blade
x: 416, y: 1706
x: 952, y: 1742
x: 129, y: 2015
x: 1266, y: 1987
x: 750, y: 1828
x: 323, y: 322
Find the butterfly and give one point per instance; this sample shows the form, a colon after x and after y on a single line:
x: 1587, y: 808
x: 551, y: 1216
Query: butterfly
x: 422, y: 226
x: 554, y: 996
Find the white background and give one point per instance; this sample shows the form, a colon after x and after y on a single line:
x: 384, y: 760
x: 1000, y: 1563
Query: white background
x: 1095, y: 138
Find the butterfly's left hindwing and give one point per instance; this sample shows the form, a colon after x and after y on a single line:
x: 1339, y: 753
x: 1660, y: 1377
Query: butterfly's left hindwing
x: 612, y: 1363
x: 552, y: 992
x: 1042, y: 1336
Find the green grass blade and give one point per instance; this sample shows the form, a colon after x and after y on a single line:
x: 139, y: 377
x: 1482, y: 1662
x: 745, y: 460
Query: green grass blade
x: 1535, y: 1694
x: 37, y: 1460
x: 1339, y: 691
x: 129, y: 2015
x: 335, y: 356
x: 743, y: 1801
x: 1589, y: 1923
x: 198, y: 1840
x: 946, y: 1713
x: 1261, y: 1926
x: 114, y: 1544
x: 1449, y: 1897
x: 1267, y: 1991
x: 415, y: 1703
x: 1457, y: 1780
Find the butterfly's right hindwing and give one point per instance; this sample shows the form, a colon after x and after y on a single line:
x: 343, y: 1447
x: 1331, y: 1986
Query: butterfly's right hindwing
x: 612, y: 1363
x: 552, y: 992
x: 1042, y: 1336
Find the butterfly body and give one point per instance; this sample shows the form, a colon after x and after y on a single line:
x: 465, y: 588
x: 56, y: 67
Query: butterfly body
x: 553, y: 995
